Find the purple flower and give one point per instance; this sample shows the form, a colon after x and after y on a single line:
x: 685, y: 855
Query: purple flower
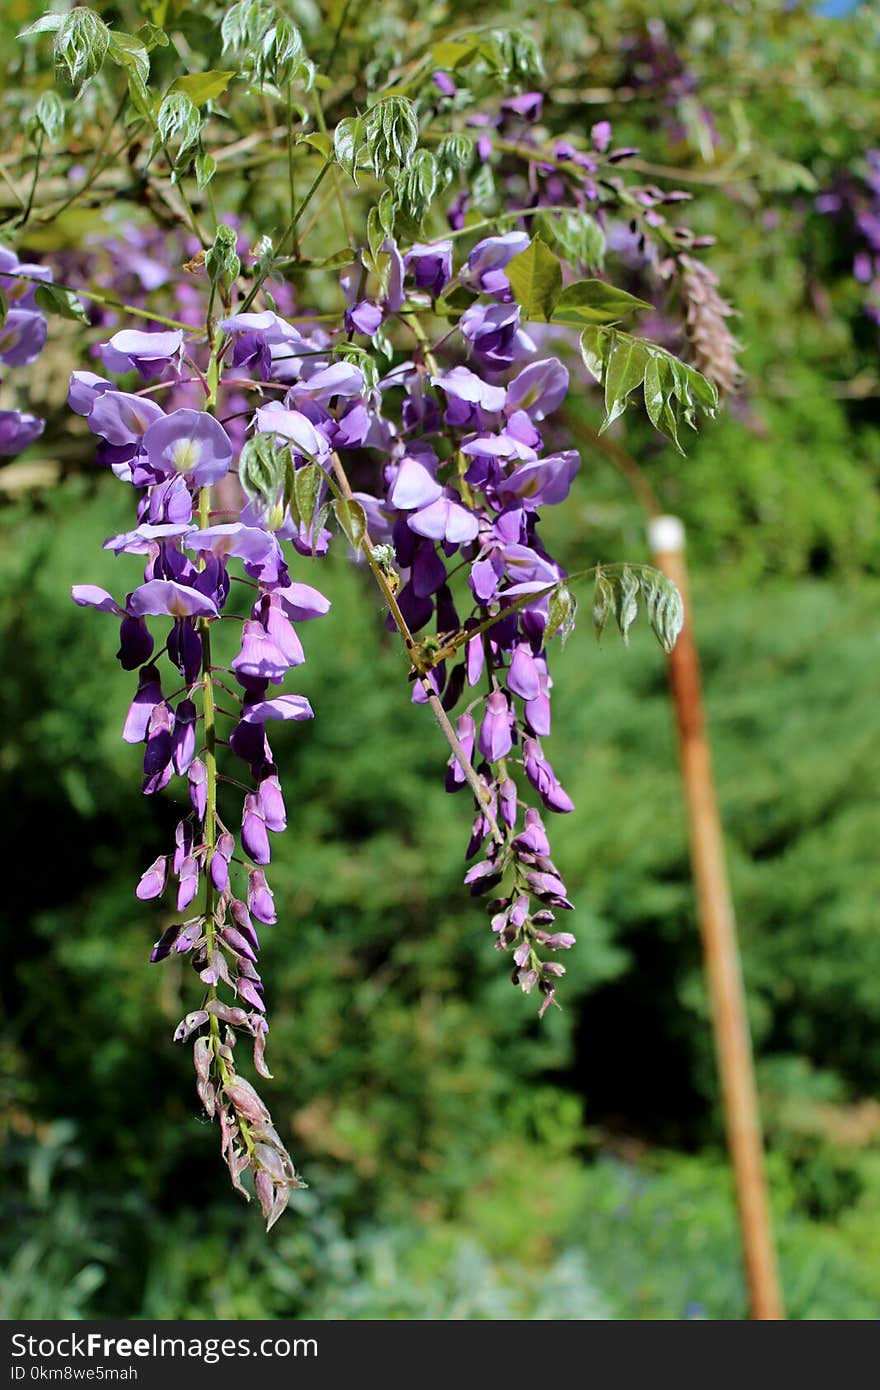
x: 247, y: 543
x: 254, y: 838
x: 17, y: 279
x: 150, y: 354
x: 495, y: 335
x: 271, y: 802
x: 140, y: 711
x: 414, y: 486
x: 84, y: 389
x: 189, y: 882
x: 444, y: 84
x: 189, y: 442
x: 301, y: 602
x: 600, y: 135
x: 321, y: 383
x: 364, y: 317
x: 18, y: 430
x: 538, y: 389
x: 92, y: 596
x: 523, y: 677
x: 430, y: 265
x: 282, y: 707
x: 22, y: 337
x: 542, y: 482
x: 543, y: 779
x: 294, y: 427
x: 219, y: 866
x: 495, y: 739
x: 260, y: 899
x: 464, y: 385
x: 135, y: 643
x: 445, y: 520
x: 485, y: 264
x: 198, y: 787
x: 259, y: 658
x: 121, y: 418
x: 167, y: 596
x: 152, y: 881
x: 184, y: 742
x: 528, y: 106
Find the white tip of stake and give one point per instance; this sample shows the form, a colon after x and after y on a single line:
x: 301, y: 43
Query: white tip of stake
x: 666, y: 535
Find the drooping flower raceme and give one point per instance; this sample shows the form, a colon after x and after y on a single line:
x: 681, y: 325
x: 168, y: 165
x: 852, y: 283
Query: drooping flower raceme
x: 241, y: 440
x: 22, y: 335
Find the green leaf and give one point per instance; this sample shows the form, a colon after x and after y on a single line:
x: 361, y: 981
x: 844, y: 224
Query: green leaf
x: 205, y: 166
x: 416, y: 187
x: 262, y: 467
x: 129, y: 52
x: 561, y: 614
x: 4, y: 308
x: 673, y: 390
x: 664, y: 607
x: 483, y: 189
x: 221, y: 261
x: 352, y: 520
x: 573, y: 234
x: 46, y: 24
x: 603, y: 602
x: 54, y: 300
x: 391, y: 133
x: 203, y: 86
x: 152, y: 36
x: 535, y: 277
x: 307, y: 484
x: 348, y: 144
x: 625, y: 370
x: 283, y: 57
x: 626, y: 600
x: 179, y: 120
x: 594, y: 301
x: 451, y: 52
x: 245, y: 25
x: 81, y: 44
x: 139, y: 97
x: 49, y: 115
x: 455, y: 153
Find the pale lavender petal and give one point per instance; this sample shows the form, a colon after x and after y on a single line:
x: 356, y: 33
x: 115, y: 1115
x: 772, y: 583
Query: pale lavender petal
x: 282, y: 707
x: 166, y: 596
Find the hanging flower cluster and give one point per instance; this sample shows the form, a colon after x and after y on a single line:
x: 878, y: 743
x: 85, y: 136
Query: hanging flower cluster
x: 23, y: 332
x: 418, y: 422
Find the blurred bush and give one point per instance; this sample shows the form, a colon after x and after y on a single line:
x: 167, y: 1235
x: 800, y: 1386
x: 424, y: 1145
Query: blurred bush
x: 440, y: 1125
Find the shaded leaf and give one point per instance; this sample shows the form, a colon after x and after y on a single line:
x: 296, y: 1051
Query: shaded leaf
x: 54, y: 300
x: 352, y: 520
x: 594, y: 301
x: 535, y: 277
x: 203, y: 86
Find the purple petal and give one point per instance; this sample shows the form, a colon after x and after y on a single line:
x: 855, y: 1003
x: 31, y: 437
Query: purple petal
x: 91, y: 596
x: 166, y: 596
x: 191, y: 443
x: 282, y: 707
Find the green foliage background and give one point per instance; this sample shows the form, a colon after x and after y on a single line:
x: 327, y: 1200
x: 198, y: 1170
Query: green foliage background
x: 464, y: 1160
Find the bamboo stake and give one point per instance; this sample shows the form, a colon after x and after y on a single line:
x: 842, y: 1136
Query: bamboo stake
x: 720, y: 951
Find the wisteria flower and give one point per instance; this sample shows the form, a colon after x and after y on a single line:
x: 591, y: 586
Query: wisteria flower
x: 18, y: 429
x: 294, y: 427
x: 121, y: 418
x: 149, y: 354
x: 166, y: 596
x: 22, y: 337
x: 189, y: 442
x: 445, y: 520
